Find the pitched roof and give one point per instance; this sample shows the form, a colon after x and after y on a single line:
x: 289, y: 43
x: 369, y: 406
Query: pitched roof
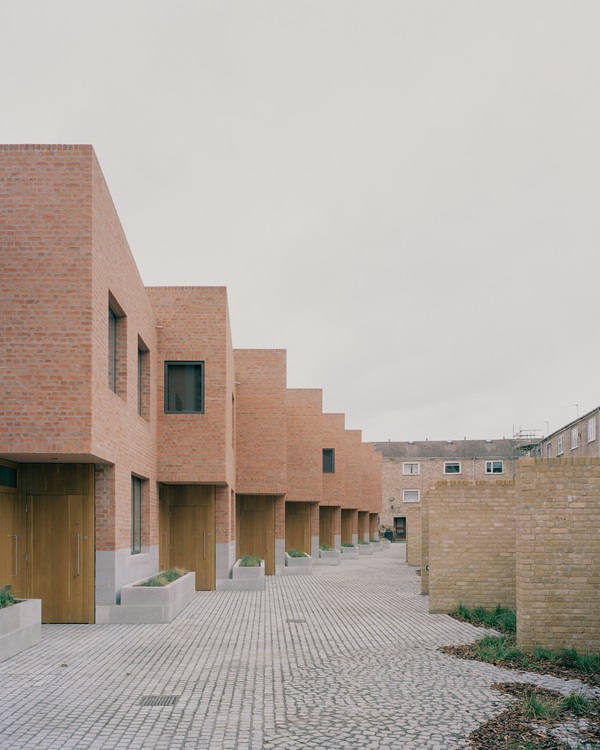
x: 448, y: 449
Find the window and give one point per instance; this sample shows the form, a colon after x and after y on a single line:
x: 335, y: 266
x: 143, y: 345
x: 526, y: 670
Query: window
x: 143, y: 380
x: 493, y: 467
x: 561, y: 448
x: 328, y: 461
x: 112, y: 351
x: 184, y: 387
x: 411, y: 468
x: 591, y: 427
x: 8, y: 477
x: 548, y: 450
x: 574, y: 438
x: 452, y: 467
x: 136, y: 515
x: 411, y: 496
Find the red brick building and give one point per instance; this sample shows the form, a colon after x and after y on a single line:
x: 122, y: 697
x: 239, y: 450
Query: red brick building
x: 133, y: 436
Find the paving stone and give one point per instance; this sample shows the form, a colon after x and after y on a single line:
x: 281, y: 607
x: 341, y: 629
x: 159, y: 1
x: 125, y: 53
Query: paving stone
x: 345, y: 658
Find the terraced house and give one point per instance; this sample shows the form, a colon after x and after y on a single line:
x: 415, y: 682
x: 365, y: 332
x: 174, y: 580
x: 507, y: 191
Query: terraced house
x: 133, y: 435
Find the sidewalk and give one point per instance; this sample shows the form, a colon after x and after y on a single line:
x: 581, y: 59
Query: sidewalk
x: 345, y: 658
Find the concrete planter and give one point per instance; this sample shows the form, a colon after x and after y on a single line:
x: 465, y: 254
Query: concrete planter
x: 365, y: 549
x: 329, y: 557
x: 20, y: 626
x: 150, y: 604
x: 377, y: 546
x: 247, y: 579
x: 349, y: 553
x: 385, y: 543
x: 298, y: 566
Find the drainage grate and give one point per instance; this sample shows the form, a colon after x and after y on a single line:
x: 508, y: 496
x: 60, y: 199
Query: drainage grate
x: 296, y: 621
x: 159, y: 700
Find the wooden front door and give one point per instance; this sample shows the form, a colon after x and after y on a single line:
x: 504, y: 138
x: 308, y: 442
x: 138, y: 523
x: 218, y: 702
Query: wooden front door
x: 191, y: 531
x: 12, y: 551
x: 61, y: 556
x: 347, y: 526
x: 297, y: 526
x: 326, y: 525
x: 256, y: 528
x: 362, y: 525
x: 59, y: 513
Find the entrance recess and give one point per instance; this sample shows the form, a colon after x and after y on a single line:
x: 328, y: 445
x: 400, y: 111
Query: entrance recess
x: 347, y: 526
x: 256, y: 528
x: 297, y: 526
x: 189, y: 535
x: 326, y: 525
x: 12, y: 558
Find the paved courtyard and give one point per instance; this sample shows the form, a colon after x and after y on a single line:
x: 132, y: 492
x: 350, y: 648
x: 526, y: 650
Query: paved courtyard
x: 345, y: 658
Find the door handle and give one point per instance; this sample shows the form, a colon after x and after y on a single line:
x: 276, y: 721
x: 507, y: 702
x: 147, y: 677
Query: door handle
x: 78, y: 555
x: 16, y: 573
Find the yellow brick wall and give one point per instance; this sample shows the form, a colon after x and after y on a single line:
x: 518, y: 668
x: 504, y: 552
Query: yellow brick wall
x: 558, y: 553
x: 470, y: 532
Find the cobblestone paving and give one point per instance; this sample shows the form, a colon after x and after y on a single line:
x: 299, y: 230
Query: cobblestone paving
x: 345, y: 658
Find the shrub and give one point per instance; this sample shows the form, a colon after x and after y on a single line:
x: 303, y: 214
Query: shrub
x: 6, y: 598
x: 165, y: 577
x: 501, y: 618
x: 250, y: 561
x: 374, y: 541
x: 576, y: 703
x: 347, y: 544
x: 296, y: 553
x: 326, y: 548
x: 363, y: 542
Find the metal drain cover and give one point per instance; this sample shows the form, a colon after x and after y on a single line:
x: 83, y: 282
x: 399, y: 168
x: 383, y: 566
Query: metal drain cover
x: 159, y: 700
x: 295, y: 620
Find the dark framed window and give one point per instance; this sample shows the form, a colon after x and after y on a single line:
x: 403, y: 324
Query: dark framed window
x: 112, y: 351
x: 136, y: 515
x: 328, y: 461
x: 184, y: 387
x: 452, y: 467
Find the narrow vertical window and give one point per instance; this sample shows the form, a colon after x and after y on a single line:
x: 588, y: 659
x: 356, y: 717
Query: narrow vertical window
x: 112, y: 351
x: 136, y: 515
x: 328, y: 461
x: 548, y: 450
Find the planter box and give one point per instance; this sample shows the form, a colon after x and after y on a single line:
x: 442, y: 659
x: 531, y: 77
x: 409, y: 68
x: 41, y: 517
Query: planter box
x: 365, y: 549
x: 247, y: 579
x: 385, y: 543
x: 150, y: 604
x: 349, y: 553
x: 298, y: 566
x: 20, y: 626
x: 329, y: 557
x: 377, y: 546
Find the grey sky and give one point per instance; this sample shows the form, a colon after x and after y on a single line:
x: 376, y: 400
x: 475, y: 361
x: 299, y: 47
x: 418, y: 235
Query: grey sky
x: 404, y: 195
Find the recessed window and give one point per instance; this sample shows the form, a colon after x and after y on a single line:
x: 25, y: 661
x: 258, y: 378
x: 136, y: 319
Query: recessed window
x: 411, y: 496
x: 184, y: 387
x: 548, y: 450
x: 117, y: 348
x: 409, y: 468
x: 452, y: 467
x: 591, y: 429
x: 112, y: 350
x: 493, y: 467
x: 136, y: 515
x: 143, y: 380
x: 574, y: 438
x: 328, y: 461
x: 561, y: 446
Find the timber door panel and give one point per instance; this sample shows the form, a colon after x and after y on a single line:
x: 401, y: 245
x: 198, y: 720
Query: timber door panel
x: 192, y: 531
x: 346, y: 526
x: 297, y: 526
x: 326, y: 525
x: 164, y: 543
x: 12, y: 557
x: 362, y: 526
x: 61, y: 556
x: 256, y: 528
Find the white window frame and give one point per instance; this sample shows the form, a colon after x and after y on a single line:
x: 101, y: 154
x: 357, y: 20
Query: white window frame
x: 591, y: 430
x: 574, y: 438
x: 406, y: 468
x: 452, y: 463
x: 404, y: 496
x: 561, y: 445
x: 489, y: 467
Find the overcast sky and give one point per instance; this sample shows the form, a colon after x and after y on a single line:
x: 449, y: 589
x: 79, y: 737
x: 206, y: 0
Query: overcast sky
x: 404, y: 195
